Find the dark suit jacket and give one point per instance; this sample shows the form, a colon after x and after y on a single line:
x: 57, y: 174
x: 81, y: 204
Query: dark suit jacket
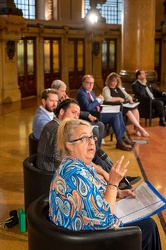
x: 140, y: 89
x: 85, y: 102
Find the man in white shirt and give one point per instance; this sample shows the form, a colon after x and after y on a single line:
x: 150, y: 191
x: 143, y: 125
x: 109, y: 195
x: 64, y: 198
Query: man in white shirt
x: 142, y: 88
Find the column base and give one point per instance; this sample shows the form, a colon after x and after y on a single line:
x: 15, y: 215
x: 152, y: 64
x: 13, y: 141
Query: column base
x: 128, y: 77
x: 11, y: 95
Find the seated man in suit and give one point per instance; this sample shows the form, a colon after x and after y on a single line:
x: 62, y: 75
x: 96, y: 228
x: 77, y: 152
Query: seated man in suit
x: 98, y: 127
x: 48, y: 156
x: 142, y: 88
x: 89, y: 102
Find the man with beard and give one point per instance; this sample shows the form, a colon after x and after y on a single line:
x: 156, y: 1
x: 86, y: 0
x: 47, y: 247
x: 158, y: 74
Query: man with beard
x: 45, y: 113
x: 48, y: 156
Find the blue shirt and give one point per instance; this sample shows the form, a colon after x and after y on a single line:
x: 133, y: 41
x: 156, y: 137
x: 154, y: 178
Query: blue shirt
x: 76, y: 198
x: 41, y: 118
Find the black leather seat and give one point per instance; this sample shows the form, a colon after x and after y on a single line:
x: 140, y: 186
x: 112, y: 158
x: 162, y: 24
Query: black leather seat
x: 33, y: 142
x: 36, y: 181
x: 43, y: 234
x: 145, y: 108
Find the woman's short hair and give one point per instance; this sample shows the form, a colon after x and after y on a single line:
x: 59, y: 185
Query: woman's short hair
x: 66, y: 131
x: 46, y: 92
x: 111, y: 77
x: 56, y: 84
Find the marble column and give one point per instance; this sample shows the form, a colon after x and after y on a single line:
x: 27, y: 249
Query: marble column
x: 138, y: 40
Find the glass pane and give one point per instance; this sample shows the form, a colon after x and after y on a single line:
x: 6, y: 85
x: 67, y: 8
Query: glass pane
x: 111, y: 10
x: 112, y: 54
x: 104, y: 55
x: 55, y: 56
x: 80, y: 56
x: 27, y: 7
x: 20, y: 57
x: 71, y: 55
x: 46, y: 56
x: 30, y: 57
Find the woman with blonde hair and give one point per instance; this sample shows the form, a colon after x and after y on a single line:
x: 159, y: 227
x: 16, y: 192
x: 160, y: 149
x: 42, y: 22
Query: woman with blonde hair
x: 78, y: 198
x: 113, y: 92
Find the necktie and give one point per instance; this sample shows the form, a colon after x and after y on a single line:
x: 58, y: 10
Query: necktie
x: 90, y: 96
x: 92, y: 99
x: 150, y: 94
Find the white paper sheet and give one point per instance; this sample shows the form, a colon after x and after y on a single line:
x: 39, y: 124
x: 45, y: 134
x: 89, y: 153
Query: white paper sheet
x: 147, y: 202
x: 110, y: 108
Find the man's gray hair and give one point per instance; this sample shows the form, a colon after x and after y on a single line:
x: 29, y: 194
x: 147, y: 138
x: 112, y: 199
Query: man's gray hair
x: 56, y: 84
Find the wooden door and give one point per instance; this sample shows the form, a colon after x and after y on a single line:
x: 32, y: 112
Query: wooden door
x: 109, y: 57
x: 26, y: 63
x: 52, y: 61
x: 76, y: 62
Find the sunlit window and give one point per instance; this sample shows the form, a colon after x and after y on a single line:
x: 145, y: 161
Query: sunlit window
x: 27, y: 7
x: 111, y: 10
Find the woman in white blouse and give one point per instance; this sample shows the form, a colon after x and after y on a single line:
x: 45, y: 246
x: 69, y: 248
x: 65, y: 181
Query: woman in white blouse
x: 113, y: 92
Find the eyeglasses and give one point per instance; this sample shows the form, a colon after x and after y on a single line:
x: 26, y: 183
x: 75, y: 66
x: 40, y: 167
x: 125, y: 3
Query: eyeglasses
x: 89, y: 83
x: 86, y: 139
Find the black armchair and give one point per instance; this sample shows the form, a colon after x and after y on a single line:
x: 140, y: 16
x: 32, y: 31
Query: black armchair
x: 36, y: 181
x: 145, y: 108
x: 43, y: 234
x: 33, y: 142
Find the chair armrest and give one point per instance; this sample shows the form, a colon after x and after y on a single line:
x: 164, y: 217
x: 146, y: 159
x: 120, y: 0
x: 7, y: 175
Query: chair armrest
x: 43, y: 233
x: 145, y: 106
x: 96, y: 114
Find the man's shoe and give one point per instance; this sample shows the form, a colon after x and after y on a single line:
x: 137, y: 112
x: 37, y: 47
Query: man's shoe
x: 162, y: 123
x: 127, y: 184
x: 133, y: 180
x: 123, y: 186
x: 128, y: 142
x: 123, y: 146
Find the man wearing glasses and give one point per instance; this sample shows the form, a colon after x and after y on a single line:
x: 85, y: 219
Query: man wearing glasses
x: 89, y: 102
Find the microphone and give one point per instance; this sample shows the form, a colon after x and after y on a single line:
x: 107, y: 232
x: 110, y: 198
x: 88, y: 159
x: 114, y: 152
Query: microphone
x: 109, y: 163
x: 105, y: 158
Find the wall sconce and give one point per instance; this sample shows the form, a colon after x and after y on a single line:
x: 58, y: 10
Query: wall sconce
x: 10, y: 49
x: 95, y: 48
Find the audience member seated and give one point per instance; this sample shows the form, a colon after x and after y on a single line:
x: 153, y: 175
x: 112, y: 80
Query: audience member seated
x: 98, y: 128
x: 142, y: 88
x: 89, y: 102
x: 48, y: 156
x: 45, y: 112
x: 114, y: 92
x: 78, y: 198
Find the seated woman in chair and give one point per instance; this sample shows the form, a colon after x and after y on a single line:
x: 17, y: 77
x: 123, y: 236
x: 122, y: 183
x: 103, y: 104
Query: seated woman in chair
x: 113, y: 92
x: 78, y: 198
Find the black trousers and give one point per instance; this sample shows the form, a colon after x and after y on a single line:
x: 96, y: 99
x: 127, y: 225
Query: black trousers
x: 158, y: 105
x: 150, y: 234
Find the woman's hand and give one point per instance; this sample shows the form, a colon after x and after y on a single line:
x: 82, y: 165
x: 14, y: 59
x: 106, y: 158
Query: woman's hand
x: 121, y: 100
x: 124, y: 193
x: 117, y: 171
x: 116, y: 174
x: 131, y: 101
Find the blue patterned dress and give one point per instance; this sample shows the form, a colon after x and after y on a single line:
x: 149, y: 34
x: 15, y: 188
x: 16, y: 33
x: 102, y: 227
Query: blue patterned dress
x: 76, y: 198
